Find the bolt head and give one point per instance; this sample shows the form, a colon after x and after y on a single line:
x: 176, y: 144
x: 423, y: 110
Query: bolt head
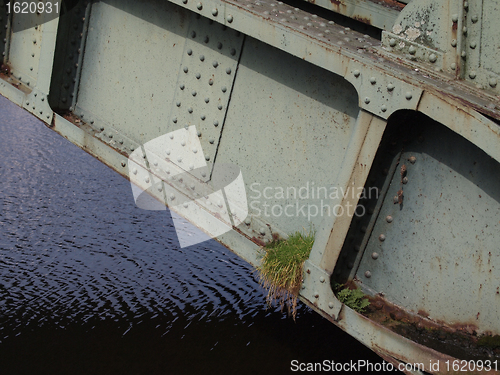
x: 375, y: 255
x: 381, y: 237
x: 322, y: 279
x: 408, y: 95
x: 356, y: 73
x: 389, y: 218
x: 368, y: 274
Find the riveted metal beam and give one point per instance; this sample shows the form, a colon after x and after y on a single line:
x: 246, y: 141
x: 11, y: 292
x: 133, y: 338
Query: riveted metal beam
x: 381, y: 14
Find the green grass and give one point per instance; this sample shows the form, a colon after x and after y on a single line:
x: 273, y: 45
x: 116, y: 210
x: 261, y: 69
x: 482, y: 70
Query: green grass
x: 281, y: 269
x: 353, y: 298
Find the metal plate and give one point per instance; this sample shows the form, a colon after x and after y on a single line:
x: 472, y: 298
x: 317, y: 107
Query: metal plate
x: 302, y: 118
x: 25, y: 47
x: 438, y: 254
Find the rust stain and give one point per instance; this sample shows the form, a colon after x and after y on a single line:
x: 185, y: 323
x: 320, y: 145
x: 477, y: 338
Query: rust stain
x: 363, y: 19
x: 390, y: 4
x: 258, y: 241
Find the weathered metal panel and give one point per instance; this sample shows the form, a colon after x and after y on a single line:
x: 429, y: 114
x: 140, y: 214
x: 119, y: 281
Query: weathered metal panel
x: 435, y: 252
x: 128, y: 77
x: 304, y: 114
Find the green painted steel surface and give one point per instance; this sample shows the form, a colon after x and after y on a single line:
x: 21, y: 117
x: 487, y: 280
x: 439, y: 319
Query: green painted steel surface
x: 299, y: 104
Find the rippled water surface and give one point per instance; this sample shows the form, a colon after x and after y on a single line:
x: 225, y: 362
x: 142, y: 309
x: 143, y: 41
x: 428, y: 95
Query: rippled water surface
x: 91, y: 284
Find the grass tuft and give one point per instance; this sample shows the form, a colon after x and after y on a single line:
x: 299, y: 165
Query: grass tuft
x: 281, y: 269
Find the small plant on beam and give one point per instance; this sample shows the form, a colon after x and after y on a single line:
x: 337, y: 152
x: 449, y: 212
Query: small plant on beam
x: 281, y: 269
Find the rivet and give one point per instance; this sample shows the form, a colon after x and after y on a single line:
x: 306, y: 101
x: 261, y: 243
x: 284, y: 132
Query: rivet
x: 215, y: 64
x: 134, y: 171
x: 228, y: 70
x: 432, y: 58
x: 181, y: 86
x: 405, y: 180
x: 493, y: 82
x: 219, y: 107
x: 464, y: 30
x: 190, y: 110
x: 330, y: 305
x: 146, y: 180
x: 390, y: 87
x: 262, y: 231
x: 454, y: 18
x: 367, y: 100
x: 373, y: 80
x: 224, y: 88
x: 185, y: 69
x: 27, y: 103
x: 172, y: 197
x: 374, y: 255
x: 229, y: 18
x: 219, y: 45
x: 207, y: 100
x: 453, y: 66
x: 472, y: 74
x: 203, y: 117
x: 392, y: 42
x: 322, y: 279
x: 174, y: 120
x: 179, y: 159
x: 473, y: 44
x: 199, y: 6
x: 210, y: 81
x: 160, y: 188
x: 195, y: 150
x: 408, y: 95
x: 389, y: 218
x: 178, y: 103
x: 395, y: 199
x: 316, y: 295
x: 463, y: 54
x: 356, y: 73
x: 363, y: 229
x: 350, y: 265
x: 207, y: 158
x: 383, y: 108
x: 184, y: 1
x: 202, y: 58
x: 193, y: 93
x: 368, y: 274
x: 183, y: 143
x: 207, y: 39
x: 474, y: 19
x: 454, y: 43
x: 216, y: 123
x: 232, y: 52
x: 356, y: 248
x: 168, y: 151
x: 215, y: 12
x: 466, y: 5
x: 381, y: 237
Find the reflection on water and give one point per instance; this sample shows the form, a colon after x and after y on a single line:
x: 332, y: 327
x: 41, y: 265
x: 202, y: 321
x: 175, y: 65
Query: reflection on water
x: 91, y: 284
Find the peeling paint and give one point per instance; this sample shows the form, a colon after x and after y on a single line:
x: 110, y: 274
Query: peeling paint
x: 412, y: 33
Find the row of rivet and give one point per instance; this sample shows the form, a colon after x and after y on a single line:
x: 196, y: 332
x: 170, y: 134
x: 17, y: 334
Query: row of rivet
x: 389, y: 219
x: 390, y: 87
x: 316, y: 293
x: 214, y: 12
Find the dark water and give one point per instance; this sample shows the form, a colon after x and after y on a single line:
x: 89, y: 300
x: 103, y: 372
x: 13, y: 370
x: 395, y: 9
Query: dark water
x: 91, y: 284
